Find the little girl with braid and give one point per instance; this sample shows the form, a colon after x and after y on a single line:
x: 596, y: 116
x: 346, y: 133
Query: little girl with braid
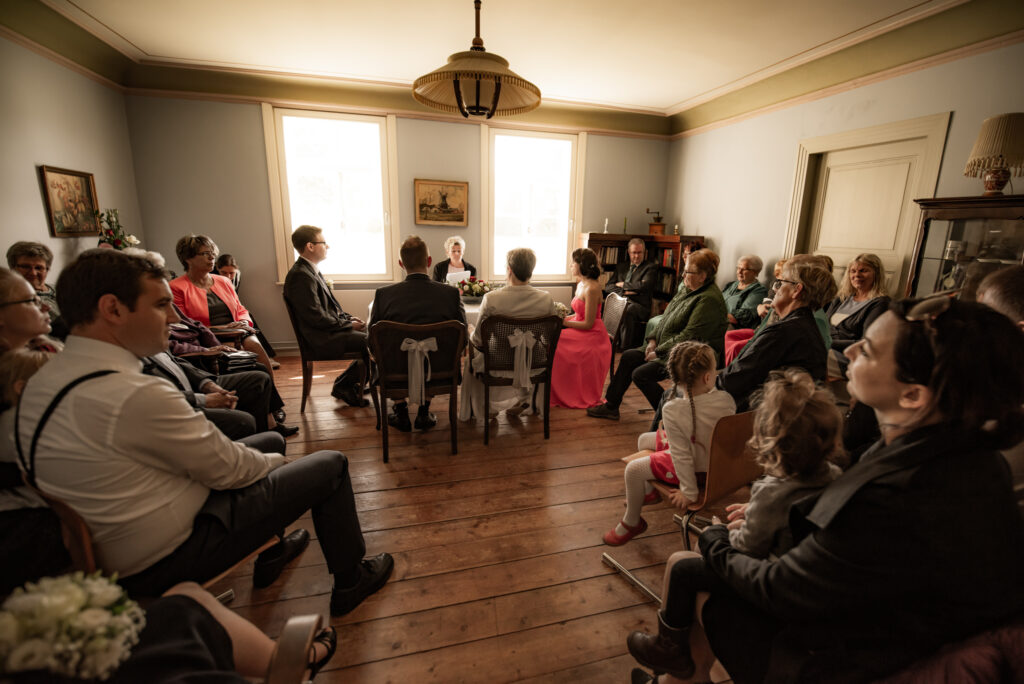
x: 681, y: 443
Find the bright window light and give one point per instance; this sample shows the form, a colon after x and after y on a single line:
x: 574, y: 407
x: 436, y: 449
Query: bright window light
x: 334, y: 180
x: 533, y: 190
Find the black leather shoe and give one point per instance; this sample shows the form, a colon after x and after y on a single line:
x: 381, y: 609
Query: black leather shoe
x: 350, y: 395
x: 400, y: 420
x: 271, y: 562
x: 603, y: 411
x: 286, y: 430
x: 373, y: 574
x: 279, y: 415
x: 425, y: 420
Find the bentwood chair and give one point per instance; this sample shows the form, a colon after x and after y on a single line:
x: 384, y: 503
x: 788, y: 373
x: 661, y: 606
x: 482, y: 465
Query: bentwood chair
x: 497, y: 332
x: 386, y: 341
x: 307, y: 356
x: 612, y: 315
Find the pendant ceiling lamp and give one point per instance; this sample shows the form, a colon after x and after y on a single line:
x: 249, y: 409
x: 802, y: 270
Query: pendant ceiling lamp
x: 476, y: 83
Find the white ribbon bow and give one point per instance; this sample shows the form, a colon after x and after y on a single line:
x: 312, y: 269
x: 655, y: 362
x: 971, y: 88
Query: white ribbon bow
x: 417, y: 350
x: 522, y: 343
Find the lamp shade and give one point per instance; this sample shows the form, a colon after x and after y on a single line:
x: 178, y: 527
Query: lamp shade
x: 474, y: 76
x: 1000, y: 145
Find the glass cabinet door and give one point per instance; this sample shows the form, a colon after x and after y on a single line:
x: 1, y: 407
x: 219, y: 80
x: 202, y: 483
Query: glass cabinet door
x: 957, y: 253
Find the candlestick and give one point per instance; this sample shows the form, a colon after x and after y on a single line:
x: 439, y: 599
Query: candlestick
x: 625, y: 224
x: 606, y: 224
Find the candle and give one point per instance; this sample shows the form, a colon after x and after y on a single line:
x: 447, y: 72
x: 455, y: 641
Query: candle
x: 625, y: 224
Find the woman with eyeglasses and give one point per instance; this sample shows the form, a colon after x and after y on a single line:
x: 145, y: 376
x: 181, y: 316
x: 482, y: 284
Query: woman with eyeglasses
x: 919, y: 544
x: 804, y: 286
x: 24, y: 321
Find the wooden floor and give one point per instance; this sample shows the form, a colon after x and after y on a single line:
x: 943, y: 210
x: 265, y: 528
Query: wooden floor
x: 498, y: 573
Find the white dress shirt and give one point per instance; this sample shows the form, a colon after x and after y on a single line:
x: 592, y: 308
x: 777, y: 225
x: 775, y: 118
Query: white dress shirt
x: 128, y: 453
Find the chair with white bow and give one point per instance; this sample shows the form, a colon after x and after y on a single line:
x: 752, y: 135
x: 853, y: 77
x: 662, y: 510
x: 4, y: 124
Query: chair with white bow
x: 519, y: 352
x: 418, y: 362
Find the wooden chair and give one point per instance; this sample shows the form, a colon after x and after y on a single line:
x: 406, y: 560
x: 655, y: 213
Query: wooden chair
x: 500, y: 356
x: 731, y: 466
x: 307, y: 356
x: 612, y: 315
x: 290, y: 659
x: 232, y: 336
x: 386, y: 338
x: 78, y: 541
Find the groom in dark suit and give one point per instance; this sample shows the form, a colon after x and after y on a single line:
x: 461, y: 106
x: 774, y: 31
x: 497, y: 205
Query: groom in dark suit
x: 417, y: 300
x: 325, y: 325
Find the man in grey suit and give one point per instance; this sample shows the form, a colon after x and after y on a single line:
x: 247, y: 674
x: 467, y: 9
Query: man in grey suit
x: 417, y: 300
x: 324, y: 324
x: 634, y: 280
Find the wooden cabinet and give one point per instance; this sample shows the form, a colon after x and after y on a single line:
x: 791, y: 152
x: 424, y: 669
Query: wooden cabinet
x: 664, y: 250
x: 963, y: 239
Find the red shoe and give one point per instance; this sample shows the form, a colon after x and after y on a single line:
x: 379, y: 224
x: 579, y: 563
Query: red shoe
x: 612, y: 539
x: 652, y: 498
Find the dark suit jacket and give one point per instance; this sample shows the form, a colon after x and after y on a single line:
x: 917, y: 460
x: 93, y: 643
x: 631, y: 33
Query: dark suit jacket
x: 441, y: 269
x: 417, y: 301
x: 325, y: 325
x: 642, y: 283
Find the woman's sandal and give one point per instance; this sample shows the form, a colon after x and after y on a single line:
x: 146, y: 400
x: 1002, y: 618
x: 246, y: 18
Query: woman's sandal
x: 612, y: 539
x: 328, y: 638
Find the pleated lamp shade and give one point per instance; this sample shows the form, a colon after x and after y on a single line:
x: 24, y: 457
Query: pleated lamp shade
x: 998, y: 151
x: 474, y: 76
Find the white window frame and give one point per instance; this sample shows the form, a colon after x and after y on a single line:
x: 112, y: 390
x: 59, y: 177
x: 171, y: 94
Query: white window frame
x: 280, y: 210
x: 493, y: 271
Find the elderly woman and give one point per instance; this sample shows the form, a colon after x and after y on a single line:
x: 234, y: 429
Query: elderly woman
x: 211, y: 299
x: 24, y: 319
x: 453, y: 247
x: 33, y: 261
x: 862, y: 298
x: 697, y: 312
x: 743, y: 295
x: 861, y: 594
x: 804, y: 286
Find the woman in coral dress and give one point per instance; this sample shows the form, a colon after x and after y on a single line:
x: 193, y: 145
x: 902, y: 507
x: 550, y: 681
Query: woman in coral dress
x: 584, y: 351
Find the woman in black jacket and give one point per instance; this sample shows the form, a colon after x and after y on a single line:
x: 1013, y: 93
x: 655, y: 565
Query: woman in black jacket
x: 862, y: 298
x: 887, y: 567
x: 453, y: 247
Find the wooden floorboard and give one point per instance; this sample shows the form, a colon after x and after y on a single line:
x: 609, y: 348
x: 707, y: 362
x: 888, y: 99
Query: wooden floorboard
x: 498, y: 573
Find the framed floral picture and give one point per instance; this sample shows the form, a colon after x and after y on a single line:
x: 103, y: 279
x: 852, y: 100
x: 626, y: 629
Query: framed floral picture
x: 70, y: 198
x: 441, y: 203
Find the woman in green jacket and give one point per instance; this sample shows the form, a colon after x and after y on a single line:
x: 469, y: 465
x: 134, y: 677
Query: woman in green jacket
x: 697, y: 312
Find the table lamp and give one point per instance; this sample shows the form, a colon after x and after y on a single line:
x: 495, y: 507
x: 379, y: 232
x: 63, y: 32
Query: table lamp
x: 998, y: 151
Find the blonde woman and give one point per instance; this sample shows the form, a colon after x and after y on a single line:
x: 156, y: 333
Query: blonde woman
x: 453, y: 247
x: 862, y: 298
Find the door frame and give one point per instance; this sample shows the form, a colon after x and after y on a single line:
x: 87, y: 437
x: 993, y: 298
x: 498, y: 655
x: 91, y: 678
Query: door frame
x: 933, y: 128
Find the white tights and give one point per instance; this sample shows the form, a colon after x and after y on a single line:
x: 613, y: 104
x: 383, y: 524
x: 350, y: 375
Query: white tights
x: 637, y: 474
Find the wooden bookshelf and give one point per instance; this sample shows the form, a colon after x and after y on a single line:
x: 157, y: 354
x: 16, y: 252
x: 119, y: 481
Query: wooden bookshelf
x: 664, y: 250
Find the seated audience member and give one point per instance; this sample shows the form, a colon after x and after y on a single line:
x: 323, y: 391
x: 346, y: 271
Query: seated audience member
x: 1003, y: 290
x: 518, y: 299
x: 218, y: 396
x: 697, y: 312
x: 227, y: 266
x: 692, y: 408
x: 584, y: 351
x: 197, y: 502
x: 796, y: 435
x: 33, y: 261
x: 858, y: 596
x: 30, y: 535
x: 861, y: 299
x: 743, y: 295
x: 24, y: 322
x: 453, y: 247
x: 417, y: 300
x: 735, y: 340
x: 635, y: 280
x: 794, y: 341
x: 323, y: 323
x: 210, y: 298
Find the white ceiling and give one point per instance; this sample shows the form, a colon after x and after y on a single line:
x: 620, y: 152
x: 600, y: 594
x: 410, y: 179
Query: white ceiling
x: 645, y: 55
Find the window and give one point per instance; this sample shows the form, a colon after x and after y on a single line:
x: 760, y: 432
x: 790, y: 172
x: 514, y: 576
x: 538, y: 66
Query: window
x: 333, y: 172
x: 533, y: 200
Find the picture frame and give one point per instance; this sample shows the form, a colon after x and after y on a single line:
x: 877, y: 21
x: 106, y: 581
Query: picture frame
x: 70, y: 198
x: 441, y: 203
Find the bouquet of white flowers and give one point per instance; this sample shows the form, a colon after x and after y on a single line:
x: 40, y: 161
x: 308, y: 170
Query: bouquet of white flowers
x: 112, y: 232
x: 562, y: 310
x: 74, y: 625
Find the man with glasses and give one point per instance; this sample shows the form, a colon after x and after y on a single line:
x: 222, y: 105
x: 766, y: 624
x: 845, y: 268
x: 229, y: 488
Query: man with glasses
x: 324, y: 324
x: 634, y: 280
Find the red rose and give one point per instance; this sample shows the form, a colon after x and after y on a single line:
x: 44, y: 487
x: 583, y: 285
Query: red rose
x: 472, y: 279
x: 117, y: 242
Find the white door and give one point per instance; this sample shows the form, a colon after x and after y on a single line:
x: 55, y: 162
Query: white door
x: 863, y: 202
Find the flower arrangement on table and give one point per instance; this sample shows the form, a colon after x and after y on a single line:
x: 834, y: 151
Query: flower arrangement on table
x: 74, y: 625
x: 471, y: 287
x: 111, y: 231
